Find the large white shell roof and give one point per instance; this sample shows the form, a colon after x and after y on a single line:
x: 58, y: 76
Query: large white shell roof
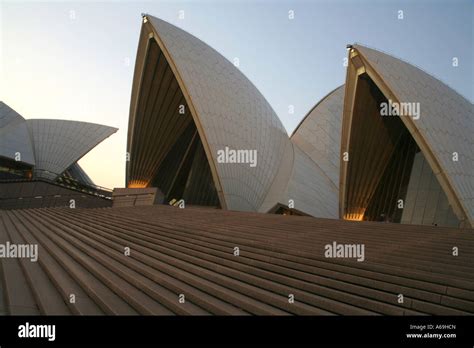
x: 230, y: 111
x: 446, y: 120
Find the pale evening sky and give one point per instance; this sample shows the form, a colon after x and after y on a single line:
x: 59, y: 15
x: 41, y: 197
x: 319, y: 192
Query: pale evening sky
x: 75, y: 60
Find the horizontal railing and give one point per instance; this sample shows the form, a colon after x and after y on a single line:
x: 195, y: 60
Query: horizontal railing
x: 69, y: 183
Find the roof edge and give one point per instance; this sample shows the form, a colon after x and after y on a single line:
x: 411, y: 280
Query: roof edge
x: 312, y: 109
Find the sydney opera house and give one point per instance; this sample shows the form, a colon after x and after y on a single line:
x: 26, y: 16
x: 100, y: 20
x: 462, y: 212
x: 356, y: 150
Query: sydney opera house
x: 384, y: 162
x: 344, y: 160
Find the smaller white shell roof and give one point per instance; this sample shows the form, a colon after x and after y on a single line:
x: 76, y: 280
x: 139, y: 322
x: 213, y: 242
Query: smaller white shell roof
x: 311, y: 189
x: 319, y: 134
x: 8, y: 115
x: 59, y: 143
x: 15, y: 142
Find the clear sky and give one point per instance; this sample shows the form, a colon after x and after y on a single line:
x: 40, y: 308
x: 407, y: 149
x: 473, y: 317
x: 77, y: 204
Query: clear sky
x: 75, y: 60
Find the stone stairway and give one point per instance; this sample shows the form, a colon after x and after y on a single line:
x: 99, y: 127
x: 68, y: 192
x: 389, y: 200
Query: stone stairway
x: 190, y: 252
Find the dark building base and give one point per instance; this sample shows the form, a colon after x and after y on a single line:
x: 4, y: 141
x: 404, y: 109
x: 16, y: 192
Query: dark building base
x: 41, y: 194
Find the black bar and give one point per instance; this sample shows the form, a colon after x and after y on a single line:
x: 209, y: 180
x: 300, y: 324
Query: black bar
x: 240, y: 330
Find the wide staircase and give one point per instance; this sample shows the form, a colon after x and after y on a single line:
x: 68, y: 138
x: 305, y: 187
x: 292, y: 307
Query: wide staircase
x: 141, y: 260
